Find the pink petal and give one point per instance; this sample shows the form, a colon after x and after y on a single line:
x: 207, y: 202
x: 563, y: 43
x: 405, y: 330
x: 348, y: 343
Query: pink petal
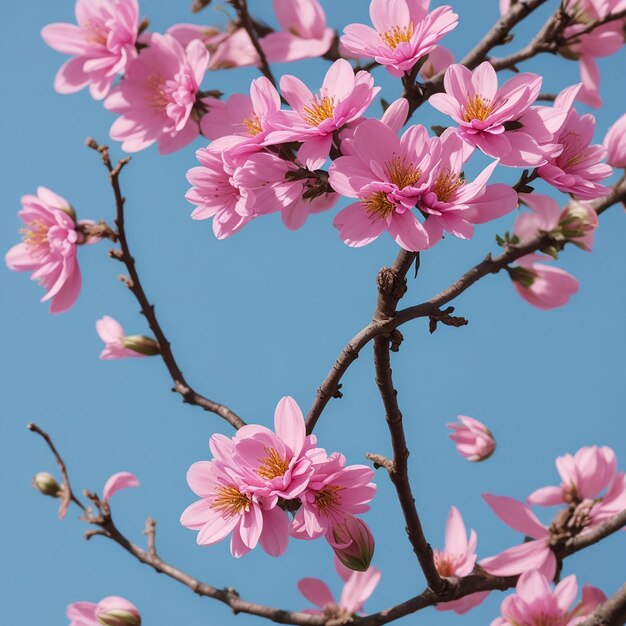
x: 316, y: 591
x: 525, y: 556
x: 117, y: 482
x: 456, y: 534
x: 289, y: 424
x: 516, y: 515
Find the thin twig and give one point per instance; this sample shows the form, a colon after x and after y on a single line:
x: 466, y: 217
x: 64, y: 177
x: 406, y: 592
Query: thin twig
x: 189, y: 395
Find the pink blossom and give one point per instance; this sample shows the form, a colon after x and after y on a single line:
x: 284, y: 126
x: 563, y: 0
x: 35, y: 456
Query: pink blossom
x: 534, y: 602
x: 615, y: 143
x: 157, y: 96
x: 439, y: 60
x: 228, y: 505
x: 454, y: 204
x: 186, y: 33
x: 499, y: 121
x: 274, y: 184
x: 234, y: 49
x: 577, y: 222
x: 541, y: 285
x: 49, y: 248
x: 353, y: 543
x: 117, y: 345
x: 334, y: 492
x: 215, y: 194
x: 304, y: 35
x: 358, y: 587
x: 404, y: 32
x: 576, y: 169
x: 387, y: 174
x: 110, y: 611
x: 473, y: 439
x: 102, y: 44
x: 531, y: 554
x: 117, y: 482
x: 590, y: 481
x: 457, y: 559
x: 343, y: 98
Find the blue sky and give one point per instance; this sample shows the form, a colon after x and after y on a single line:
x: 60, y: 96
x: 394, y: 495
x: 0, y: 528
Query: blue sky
x: 259, y: 316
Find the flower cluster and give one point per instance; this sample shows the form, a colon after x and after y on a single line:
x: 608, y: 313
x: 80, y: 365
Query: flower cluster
x: 258, y: 473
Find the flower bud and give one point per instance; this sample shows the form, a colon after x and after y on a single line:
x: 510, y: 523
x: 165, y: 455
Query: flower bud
x: 353, y: 543
x: 577, y: 222
x: 47, y: 484
x: 116, y: 611
x: 141, y: 344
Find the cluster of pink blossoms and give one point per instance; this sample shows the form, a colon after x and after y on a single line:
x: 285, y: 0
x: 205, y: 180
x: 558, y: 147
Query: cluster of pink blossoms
x: 255, y: 472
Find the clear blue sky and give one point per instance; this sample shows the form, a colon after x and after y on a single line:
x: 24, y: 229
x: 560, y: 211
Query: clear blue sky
x: 262, y: 315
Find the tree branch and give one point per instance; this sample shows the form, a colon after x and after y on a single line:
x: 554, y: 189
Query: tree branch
x: 189, y: 395
x: 612, y: 612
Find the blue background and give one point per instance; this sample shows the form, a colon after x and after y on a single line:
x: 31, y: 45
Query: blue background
x: 265, y: 314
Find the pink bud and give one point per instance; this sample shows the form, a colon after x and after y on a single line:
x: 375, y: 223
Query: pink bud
x: 116, y: 611
x: 615, y: 143
x: 473, y: 439
x: 353, y: 543
x: 578, y: 221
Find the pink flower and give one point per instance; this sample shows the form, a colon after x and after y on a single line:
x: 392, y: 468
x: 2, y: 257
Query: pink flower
x: 534, y: 602
x: 474, y: 440
x: 333, y: 494
x: 404, y: 32
x: 276, y: 465
x: 353, y: 543
x: 498, y: 121
x: 576, y: 169
x: 186, y: 33
x: 304, y: 35
x: 235, y: 49
x: 387, y: 174
x: 588, y: 477
x: 228, y: 505
x: 110, y: 611
x: 453, y: 204
x: 49, y: 248
x: 157, y: 96
x: 358, y: 587
x: 457, y: 559
x: 118, y: 345
x: 615, y: 143
x: 102, y: 44
x: 439, y: 60
x: 541, y: 285
x: 577, y: 222
x: 215, y: 194
x: 117, y: 482
x: 531, y: 554
x: 343, y: 98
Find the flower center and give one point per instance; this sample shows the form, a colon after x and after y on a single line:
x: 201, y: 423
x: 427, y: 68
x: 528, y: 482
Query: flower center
x: 379, y: 204
x: 477, y: 108
x: 95, y: 31
x: 156, y: 96
x: 36, y: 234
x: 401, y: 174
x: 320, y: 109
x: 572, y: 150
x: 328, y: 499
x: 397, y: 35
x: 229, y: 500
x: 253, y: 124
x: 272, y: 465
x: 444, y: 563
x: 446, y: 185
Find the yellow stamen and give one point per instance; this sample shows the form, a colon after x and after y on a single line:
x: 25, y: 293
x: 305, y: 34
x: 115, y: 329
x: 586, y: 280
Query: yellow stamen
x: 397, y: 35
x: 272, y: 465
x: 253, y: 124
x: 477, y: 108
x: 36, y: 233
x: 156, y: 98
x: 321, y: 109
x: 328, y: 499
x: 401, y: 174
x: 446, y: 185
x: 378, y: 205
x: 230, y: 500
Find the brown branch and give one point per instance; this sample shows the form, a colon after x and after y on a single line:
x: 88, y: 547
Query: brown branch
x: 241, y: 6
x: 591, y: 26
x: 612, y: 612
x: 189, y: 395
x: 198, y: 5
x: 593, y: 536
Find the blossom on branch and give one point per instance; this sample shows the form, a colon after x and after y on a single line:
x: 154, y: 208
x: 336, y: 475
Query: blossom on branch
x: 118, y: 345
x: 102, y: 44
x: 49, y: 247
x: 404, y: 33
x: 110, y: 611
x: 156, y: 99
x: 473, y: 439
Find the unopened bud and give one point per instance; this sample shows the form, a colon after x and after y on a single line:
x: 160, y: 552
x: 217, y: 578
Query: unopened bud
x: 353, y: 543
x: 141, y: 344
x: 47, y: 484
x: 116, y: 611
x: 578, y: 221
